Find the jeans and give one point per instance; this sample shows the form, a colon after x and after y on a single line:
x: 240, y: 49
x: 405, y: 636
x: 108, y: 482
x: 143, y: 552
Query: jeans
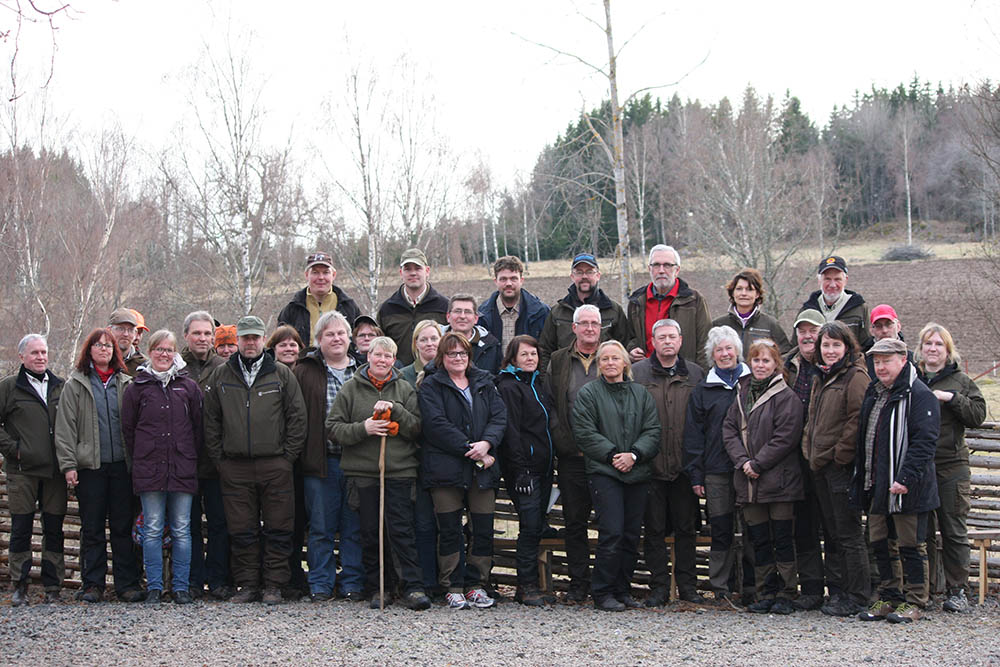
x: 105, y: 495
x: 209, y: 563
x: 175, y: 507
x: 328, y: 514
x: 620, y: 508
x: 530, y: 522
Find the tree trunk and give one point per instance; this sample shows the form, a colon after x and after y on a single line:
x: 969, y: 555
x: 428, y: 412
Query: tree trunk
x: 618, y: 161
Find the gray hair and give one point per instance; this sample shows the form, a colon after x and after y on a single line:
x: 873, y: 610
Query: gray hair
x: 326, y: 319
x: 158, y: 337
x: 384, y: 343
x: 585, y: 308
x: 198, y: 316
x: 666, y: 323
x: 23, y: 344
x: 718, y: 335
x: 659, y: 247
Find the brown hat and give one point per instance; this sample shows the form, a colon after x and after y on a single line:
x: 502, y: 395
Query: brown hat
x: 318, y: 258
x: 888, y: 346
x: 123, y: 316
x: 413, y: 256
x: 225, y: 334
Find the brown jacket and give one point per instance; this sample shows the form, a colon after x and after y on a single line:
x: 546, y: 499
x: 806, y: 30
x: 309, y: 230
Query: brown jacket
x: 557, y: 379
x: 773, y: 431
x: 670, y: 393
x: 310, y: 371
x: 831, y: 431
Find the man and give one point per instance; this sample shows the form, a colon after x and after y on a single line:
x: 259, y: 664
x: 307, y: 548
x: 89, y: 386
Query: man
x: 895, y: 481
x: 415, y: 300
x: 569, y: 370
x: 28, y: 401
x: 558, y: 330
x: 667, y: 296
x: 225, y: 341
x: 800, y: 362
x: 486, y: 353
x: 122, y: 324
x: 511, y: 310
x: 319, y: 296
x: 208, y: 565
x: 140, y: 329
x: 671, y: 503
x: 835, y: 302
x: 321, y: 373
x: 255, y: 427
x: 885, y: 324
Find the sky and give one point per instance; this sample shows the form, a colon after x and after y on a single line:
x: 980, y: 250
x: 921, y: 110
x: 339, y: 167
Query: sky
x: 497, y: 92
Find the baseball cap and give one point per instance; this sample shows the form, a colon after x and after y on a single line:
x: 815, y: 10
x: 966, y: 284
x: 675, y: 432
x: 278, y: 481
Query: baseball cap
x: 810, y: 315
x: 584, y: 258
x: 832, y: 262
x: 883, y: 312
x: 413, y: 256
x: 318, y: 258
x: 250, y: 325
x: 123, y: 316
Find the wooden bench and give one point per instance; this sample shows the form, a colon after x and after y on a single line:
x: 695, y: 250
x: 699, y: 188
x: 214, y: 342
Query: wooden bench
x: 983, y: 540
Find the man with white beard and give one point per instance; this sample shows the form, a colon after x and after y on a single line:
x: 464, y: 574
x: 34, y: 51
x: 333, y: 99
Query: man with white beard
x: 835, y: 302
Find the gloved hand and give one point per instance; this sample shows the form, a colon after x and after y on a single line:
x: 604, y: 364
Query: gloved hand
x: 524, y: 484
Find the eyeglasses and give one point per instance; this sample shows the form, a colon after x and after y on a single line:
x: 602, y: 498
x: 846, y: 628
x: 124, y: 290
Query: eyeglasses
x: 104, y: 346
x: 589, y: 272
x: 163, y: 350
x: 366, y: 335
x: 656, y: 266
x: 589, y: 325
x: 123, y: 328
x: 463, y: 311
x: 456, y: 354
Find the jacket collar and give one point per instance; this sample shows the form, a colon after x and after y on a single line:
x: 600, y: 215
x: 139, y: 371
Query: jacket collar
x: 680, y: 368
x: 22, y: 381
x: 713, y: 378
x: 599, y: 298
x: 269, y: 365
x: 776, y: 386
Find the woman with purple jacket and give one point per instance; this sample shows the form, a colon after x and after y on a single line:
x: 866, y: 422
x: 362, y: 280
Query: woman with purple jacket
x: 162, y: 427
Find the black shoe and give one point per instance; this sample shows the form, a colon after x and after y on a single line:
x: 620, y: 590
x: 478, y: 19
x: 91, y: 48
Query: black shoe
x: 53, y: 597
x: 374, y: 604
x: 809, y: 602
x: 354, y: 596
x: 692, y: 596
x: 245, y: 595
x: 132, y: 595
x: 577, y: 594
x: 842, y: 607
x: 529, y: 597
x: 320, y: 597
x: 629, y: 601
x: 761, y: 606
x: 222, y: 593
x: 196, y: 593
x: 609, y: 604
x: 183, y: 597
x: 20, y: 596
x: 783, y: 606
x: 91, y: 595
x: 417, y: 601
x: 549, y: 533
x: 293, y: 593
x: 658, y: 597
x: 272, y: 596
x: 153, y: 596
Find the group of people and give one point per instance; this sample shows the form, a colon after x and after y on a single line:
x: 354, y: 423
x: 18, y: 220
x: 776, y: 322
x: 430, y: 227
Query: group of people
x: 339, y: 423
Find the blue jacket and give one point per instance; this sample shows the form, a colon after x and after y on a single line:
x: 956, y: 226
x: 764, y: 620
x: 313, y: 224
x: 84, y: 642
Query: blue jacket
x: 530, y: 319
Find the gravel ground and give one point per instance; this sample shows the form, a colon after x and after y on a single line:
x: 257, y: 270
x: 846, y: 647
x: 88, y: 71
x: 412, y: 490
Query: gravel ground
x: 341, y: 632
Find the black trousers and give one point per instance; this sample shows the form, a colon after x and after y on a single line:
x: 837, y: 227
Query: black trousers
x: 576, y: 505
x: 620, y: 508
x: 400, y: 543
x: 671, y: 507
x: 530, y: 522
x: 209, y: 562
x: 105, y: 495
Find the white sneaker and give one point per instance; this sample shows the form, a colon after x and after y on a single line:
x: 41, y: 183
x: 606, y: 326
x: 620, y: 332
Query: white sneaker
x: 479, y: 599
x: 457, y: 601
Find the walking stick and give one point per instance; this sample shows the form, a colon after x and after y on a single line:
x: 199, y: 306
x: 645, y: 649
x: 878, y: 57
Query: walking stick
x: 381, y: 524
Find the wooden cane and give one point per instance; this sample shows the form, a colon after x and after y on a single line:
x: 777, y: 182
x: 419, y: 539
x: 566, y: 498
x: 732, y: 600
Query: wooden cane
x: 381, y: 524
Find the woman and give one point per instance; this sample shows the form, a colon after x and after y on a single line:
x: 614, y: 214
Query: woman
x: 746, y: 294
x: 617, y: 428
x: 286, y: 345
x: 527, y: 457
x: 92, y: 455
x: 426, y: 336
x: 365, y: 331
x: 762, y: 433
x: 962, y: 407
x: 225, y: 340
x: 161, y: 423
x: 829, y: 441
x: 463, y: 425
x: 705, y: 459
x: 357, y: 421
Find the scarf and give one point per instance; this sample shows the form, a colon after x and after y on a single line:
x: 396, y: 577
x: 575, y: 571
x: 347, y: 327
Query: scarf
x: 833, y: 369
x: 757, y: 388
x: 378, y: 384
x: 104, y: 375
x: 729, y: 375
x: 831, y: 312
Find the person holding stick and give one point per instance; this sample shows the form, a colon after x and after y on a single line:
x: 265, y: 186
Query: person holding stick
x: 375, y: 419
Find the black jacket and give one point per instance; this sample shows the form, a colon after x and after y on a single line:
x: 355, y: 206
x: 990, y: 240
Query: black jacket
x: 450, y: 424
x: 530, y: 318
x: 558, y: 330
x: 27, y: 442
x: 397, y: 319
x: 527, y: 442
x: 295, y: 314
x: 486, y: 354
x: 917, y: 472
x: 704, y: 452
x: 854, y: 314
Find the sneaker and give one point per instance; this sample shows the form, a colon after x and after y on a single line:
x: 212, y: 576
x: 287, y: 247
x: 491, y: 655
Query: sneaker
x: 91, y: 595
x: 272, y: 596
x: 20, y: 596
x: 417, y: 601
x: 132, y: 595
x: 905, y: 613
x: 609, y: 604
x: 183, y: 597
x: 153, y: 596
x: 956, y: 602
x: 457, y: 601
x: 245, y: 595
x: 658, y: 597
x: 783, y: 606
x: 478, y: 598
x: 841, y: 606
x: 877, y: 611
x: 809, y: 602
x: 761, y: 606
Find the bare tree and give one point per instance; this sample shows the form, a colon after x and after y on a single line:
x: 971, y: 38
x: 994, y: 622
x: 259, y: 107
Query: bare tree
x: 29, y: 16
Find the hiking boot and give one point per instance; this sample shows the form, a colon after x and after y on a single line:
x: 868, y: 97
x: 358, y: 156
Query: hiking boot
x: 222, y: 593
x: 956, y: 602
x: 841, y: 606
x: 692, y: 596
x: 53, y: 597
x: 783, y: 606
x: 293, y: 593
x: 272, y: 596
x: 153, y: 596
x: 245, y: 595
x: 529, y: 597
x: 905, y: 613
x: 91, y: 595
x: 761, y: 606
x: 609, y: 604
x: 20, y: 596
x: 478, y: 598
x: 658, y: 597
x: 132, y: 595
x: 375, y: 604
x: 877, y: 611
x: 417, y: 601
x: 457, y: 601
x: 809, y: 602
x: 183, y: 597
x: 629, y: 601
x: 577, y: 594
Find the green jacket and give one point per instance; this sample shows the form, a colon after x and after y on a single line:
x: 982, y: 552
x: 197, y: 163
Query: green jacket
x: 610, y: 418
x: 345, y: 424
x: 967, y: 409
x: 27, y: 440
x: 266, y: 419
x: 78, y: 437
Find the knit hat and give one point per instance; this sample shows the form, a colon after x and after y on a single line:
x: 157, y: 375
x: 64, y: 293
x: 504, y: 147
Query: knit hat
x: 140, y: 321
x: 225, y: 334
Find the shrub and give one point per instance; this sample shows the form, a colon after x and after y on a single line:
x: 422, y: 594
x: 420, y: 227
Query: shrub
x: 905, y: 253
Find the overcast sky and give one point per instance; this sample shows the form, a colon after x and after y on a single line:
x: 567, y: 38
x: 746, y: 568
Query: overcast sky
x: 497, y: 92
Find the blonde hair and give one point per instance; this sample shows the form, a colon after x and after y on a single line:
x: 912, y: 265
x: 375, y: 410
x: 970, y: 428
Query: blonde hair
x: 949, y: 343
x: 421, y: 325
x: 621, y: 348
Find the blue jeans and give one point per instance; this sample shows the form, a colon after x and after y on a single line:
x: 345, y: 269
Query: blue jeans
x: 156, y: 505
x: 328, y: 513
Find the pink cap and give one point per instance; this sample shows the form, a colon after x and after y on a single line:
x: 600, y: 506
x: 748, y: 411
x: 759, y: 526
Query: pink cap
x: 883, y: 312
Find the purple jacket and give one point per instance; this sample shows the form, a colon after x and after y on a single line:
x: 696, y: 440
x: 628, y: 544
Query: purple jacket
x: 163, y: 433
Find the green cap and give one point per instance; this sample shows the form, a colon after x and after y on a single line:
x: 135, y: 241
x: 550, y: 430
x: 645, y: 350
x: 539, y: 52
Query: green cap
x: 250, y: 325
